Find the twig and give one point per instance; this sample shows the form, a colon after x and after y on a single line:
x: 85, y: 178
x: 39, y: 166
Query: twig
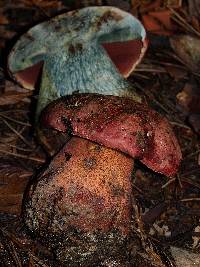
x: 41, y: 10
x: 19, y: 122
x: 193, y: 154
x: 138, y: 189
x: 171, y: 54
x: 15, y: 255
x: 190, y: 182
x: 17, y: 147
x: 145, y: 241
x: 182, y: 22
x: 180, y: 125
x: 191, y: 172
x: 168, y: 182
x: 16, y: 241
x: 38, y: 261
x: 11, y: 249
x: 151, y: 96
x: 18, y: 134
x: 190, y: 199
x: 179, y: 181
x: 23, y: 156
x: 14, y: 110
x: 140, y: 75
x: 150, y: 70
x: 173, y: 65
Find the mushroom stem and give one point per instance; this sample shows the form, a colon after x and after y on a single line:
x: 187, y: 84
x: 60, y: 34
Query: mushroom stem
x: 82, y: 71
x: 91, y: 50
x: 86, y: 186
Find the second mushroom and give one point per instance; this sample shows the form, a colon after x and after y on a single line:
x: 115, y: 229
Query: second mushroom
x: 87, y: 186
x: 88, y: 50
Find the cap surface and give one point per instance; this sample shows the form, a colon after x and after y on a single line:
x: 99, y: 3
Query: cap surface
x: 119, y: 123
x: 86, y: 50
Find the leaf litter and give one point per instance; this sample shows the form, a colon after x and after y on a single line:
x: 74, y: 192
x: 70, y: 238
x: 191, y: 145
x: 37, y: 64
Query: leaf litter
x: 166, y: 211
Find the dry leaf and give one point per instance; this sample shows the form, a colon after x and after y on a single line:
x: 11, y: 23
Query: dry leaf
x: 122, y: 4
x: 194, y: 8
x: 184, y: 258
x: 3, y: 19
x: 158, y: 22
x: 195, y: 23
x: 146, y: 6
x: 196, y: 239
x: 189, y: 99
x: 12, y: 97
x: 49, y: 4
x: 173, y: 3
x: 176, y: 72
x: 194, y: 120
x: 187, y: 49
x: 13, y: 181
x: 13, y: 94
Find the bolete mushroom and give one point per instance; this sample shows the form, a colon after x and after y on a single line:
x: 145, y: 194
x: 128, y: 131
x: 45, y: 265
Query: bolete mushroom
x: 86, y: 50
x: 85, y: 192
x: 87, y: 186
x: 119, y: 123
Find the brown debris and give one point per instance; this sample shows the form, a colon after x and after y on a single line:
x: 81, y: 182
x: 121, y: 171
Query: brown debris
x: 13, y: 181
x: 189, y: 101
x: 188, y: 49
x: 184, y: 258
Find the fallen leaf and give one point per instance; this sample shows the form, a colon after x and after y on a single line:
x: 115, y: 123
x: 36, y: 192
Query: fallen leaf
x: 194, y: 7
x: 158, y: 22
x: 146, y: 6
x: 125, y: 5
x: 196, y: 239
x: 3, y: 19
x: 154, y: 213
x: 12, y: 98
x: 189, y: 99
x: 195, y: 23
x: 13, y: 94
x: 11, y: 203
x: 194, y: 120
x: 43, y: 3
x: 13, y: 181
x: 185, y: 258
x: 173, y: 3
x: 176, y: 72
x: 187, y: 48
x: 122, y: 4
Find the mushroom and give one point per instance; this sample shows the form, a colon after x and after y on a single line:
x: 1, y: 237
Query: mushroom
x: 88, y: 50
x: 119, y: 123
x: 84, y: 195
x: 90, y: 184
x: 87, y: 186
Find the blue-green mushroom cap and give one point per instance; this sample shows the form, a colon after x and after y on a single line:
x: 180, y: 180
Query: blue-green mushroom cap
x: 91, y: 50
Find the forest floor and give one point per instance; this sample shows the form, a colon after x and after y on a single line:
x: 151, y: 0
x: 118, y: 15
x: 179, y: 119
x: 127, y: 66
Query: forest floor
x: 168, y: 79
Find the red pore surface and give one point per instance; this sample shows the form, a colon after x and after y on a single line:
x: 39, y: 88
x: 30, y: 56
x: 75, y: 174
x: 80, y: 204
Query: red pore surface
x: 119, y: 123
x: 125, y: 55
x: 87, y: 187
x: 28, y: 77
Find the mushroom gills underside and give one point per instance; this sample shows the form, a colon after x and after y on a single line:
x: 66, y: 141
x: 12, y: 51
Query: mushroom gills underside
x: 87, y: 50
